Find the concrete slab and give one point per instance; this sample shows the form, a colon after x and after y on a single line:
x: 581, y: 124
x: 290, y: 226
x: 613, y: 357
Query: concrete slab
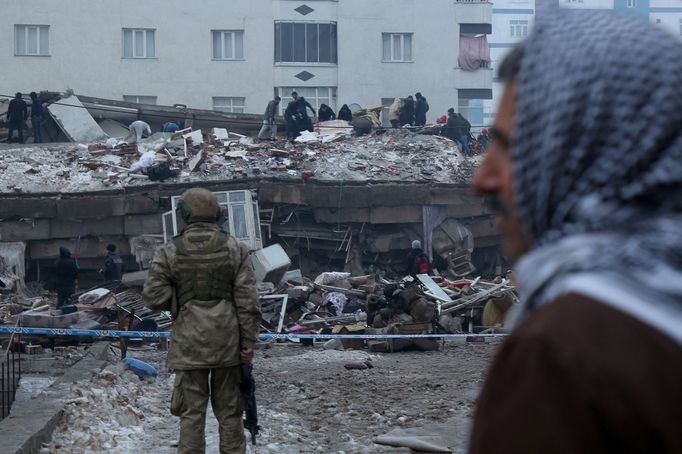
x: 29, y: 426
x: 72, y: 117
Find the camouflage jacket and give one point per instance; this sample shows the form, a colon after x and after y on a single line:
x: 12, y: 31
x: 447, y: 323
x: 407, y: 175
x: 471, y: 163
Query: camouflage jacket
x: 211, y: 276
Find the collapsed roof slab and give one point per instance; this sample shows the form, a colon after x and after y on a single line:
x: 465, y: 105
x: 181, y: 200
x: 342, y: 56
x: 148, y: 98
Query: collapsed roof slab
x: 75, y: 121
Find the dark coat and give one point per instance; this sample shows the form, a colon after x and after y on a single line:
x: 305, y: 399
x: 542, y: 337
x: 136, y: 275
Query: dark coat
x: 326, y: 114
x: 345, y: 114
x: 407, y: 112
x: 113, y: 267
x: 17, y: 110
x: 420, y: 110
x: 66, y: 272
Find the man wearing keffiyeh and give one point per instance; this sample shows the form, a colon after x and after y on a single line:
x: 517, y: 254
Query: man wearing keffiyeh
x: 585, y: 166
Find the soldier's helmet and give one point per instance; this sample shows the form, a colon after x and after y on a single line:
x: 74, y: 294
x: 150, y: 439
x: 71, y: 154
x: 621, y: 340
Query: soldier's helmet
x: 198, y: 205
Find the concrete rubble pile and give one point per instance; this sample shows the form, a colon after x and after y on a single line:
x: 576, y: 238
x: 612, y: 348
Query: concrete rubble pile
x: 190, y: 155
x: 338, y: 303
x: 110, y: 307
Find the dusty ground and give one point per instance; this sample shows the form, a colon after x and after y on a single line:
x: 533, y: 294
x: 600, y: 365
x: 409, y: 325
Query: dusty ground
x: 308, y: 402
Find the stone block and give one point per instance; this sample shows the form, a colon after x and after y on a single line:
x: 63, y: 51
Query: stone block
x: 37, y: 229
x: 332, y: 215
x: 341, y: 195
x: 91, y: 207
x: 28, y: 207
x: 142, y: 203
x: 148, y: 224
x: 395, y: 195
x: 407, y: 214
x: 72, y: 228
x: 295, y: 194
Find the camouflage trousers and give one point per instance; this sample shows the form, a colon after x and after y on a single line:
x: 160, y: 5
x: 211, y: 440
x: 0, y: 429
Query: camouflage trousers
x: 191, y: 393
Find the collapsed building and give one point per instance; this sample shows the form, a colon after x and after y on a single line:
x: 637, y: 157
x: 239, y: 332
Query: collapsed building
x: 334, y: 202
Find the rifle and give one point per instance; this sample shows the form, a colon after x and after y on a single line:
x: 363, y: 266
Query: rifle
x: 248, y: 389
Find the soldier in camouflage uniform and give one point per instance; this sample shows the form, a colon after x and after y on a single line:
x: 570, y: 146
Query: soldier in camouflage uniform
x: 206, y: 279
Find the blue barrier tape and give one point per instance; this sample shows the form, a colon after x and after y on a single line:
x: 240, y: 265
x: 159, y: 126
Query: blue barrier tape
x: 166, y: 334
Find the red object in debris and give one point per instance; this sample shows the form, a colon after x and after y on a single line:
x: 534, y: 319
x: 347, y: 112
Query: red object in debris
x: 461, y: 283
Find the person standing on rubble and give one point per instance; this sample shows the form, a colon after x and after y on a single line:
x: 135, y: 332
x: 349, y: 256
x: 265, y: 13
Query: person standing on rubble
x: 206, y: 279
x: 417, y: 261
x: 66, y: 273
x: 421, y: 107
x: 17, y: 114
x: 291, y: 116
x: 407, y: 112
x: 269, y: 120
x: 138, y: 129
x: 36, y: 117
x: 113, y: 265
x: 589, y: 201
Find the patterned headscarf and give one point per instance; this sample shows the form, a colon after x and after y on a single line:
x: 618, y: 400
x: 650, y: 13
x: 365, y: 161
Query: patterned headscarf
x: 597, y: 150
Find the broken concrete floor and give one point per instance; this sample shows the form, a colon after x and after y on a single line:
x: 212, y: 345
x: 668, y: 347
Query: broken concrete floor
x: 308, y: 402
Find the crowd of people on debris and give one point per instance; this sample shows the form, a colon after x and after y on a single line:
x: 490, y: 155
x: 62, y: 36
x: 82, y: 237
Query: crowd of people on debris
x: 407, y: 112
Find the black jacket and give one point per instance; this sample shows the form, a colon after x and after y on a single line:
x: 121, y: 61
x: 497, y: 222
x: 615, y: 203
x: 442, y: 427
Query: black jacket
x: 407, y: 113
x: 66, y: 272
x: 345, y: 114
x: 420, y: 110
x: 326, y: 115
x: 17, y: 110
x: 113, y: 268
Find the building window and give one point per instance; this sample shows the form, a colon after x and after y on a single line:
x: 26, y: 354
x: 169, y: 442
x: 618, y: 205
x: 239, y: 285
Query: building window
x: 631, y: 3
x: 680, y: 27
x: 229, y: 104
x: 300, y: 42
x: 518, y: 28
x: 314, y: 95
x: 137, y: 99
x: 31, y: 40
x: 228, y: 45
x: 397, y: 46
x: 138, y: 43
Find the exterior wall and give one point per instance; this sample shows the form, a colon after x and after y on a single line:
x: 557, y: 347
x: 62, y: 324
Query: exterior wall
x: 502, y: 41
x: 85, y: 38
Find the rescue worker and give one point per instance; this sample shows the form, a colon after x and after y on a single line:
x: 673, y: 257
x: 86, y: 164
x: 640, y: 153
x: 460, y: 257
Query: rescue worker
x: 17, y: 114
x: 417, y: 261
x: 269, y: 120
x: 138, y: 130
x: 36, y: 117
x: 66, y: 272
x: 206, y: 279
x: 421, y: 107
x: 113, y: 265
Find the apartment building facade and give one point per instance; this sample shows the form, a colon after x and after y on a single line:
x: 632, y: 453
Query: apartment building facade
x: 512, y: 20
x: 235, y: 56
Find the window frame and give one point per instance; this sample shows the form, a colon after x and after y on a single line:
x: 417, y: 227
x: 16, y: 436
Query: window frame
x: 133, y: 32
x: 40, y: 29
x: 520, y: 26
x: 630, y: 3
x: 222, y: 45
x: 391, y: 41
x: 329, y: 98
x: 333, y: 50
x: 232, y: 105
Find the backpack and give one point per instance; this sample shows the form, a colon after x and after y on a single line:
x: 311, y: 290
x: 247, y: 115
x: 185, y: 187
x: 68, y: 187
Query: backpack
x: 421, y: 264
